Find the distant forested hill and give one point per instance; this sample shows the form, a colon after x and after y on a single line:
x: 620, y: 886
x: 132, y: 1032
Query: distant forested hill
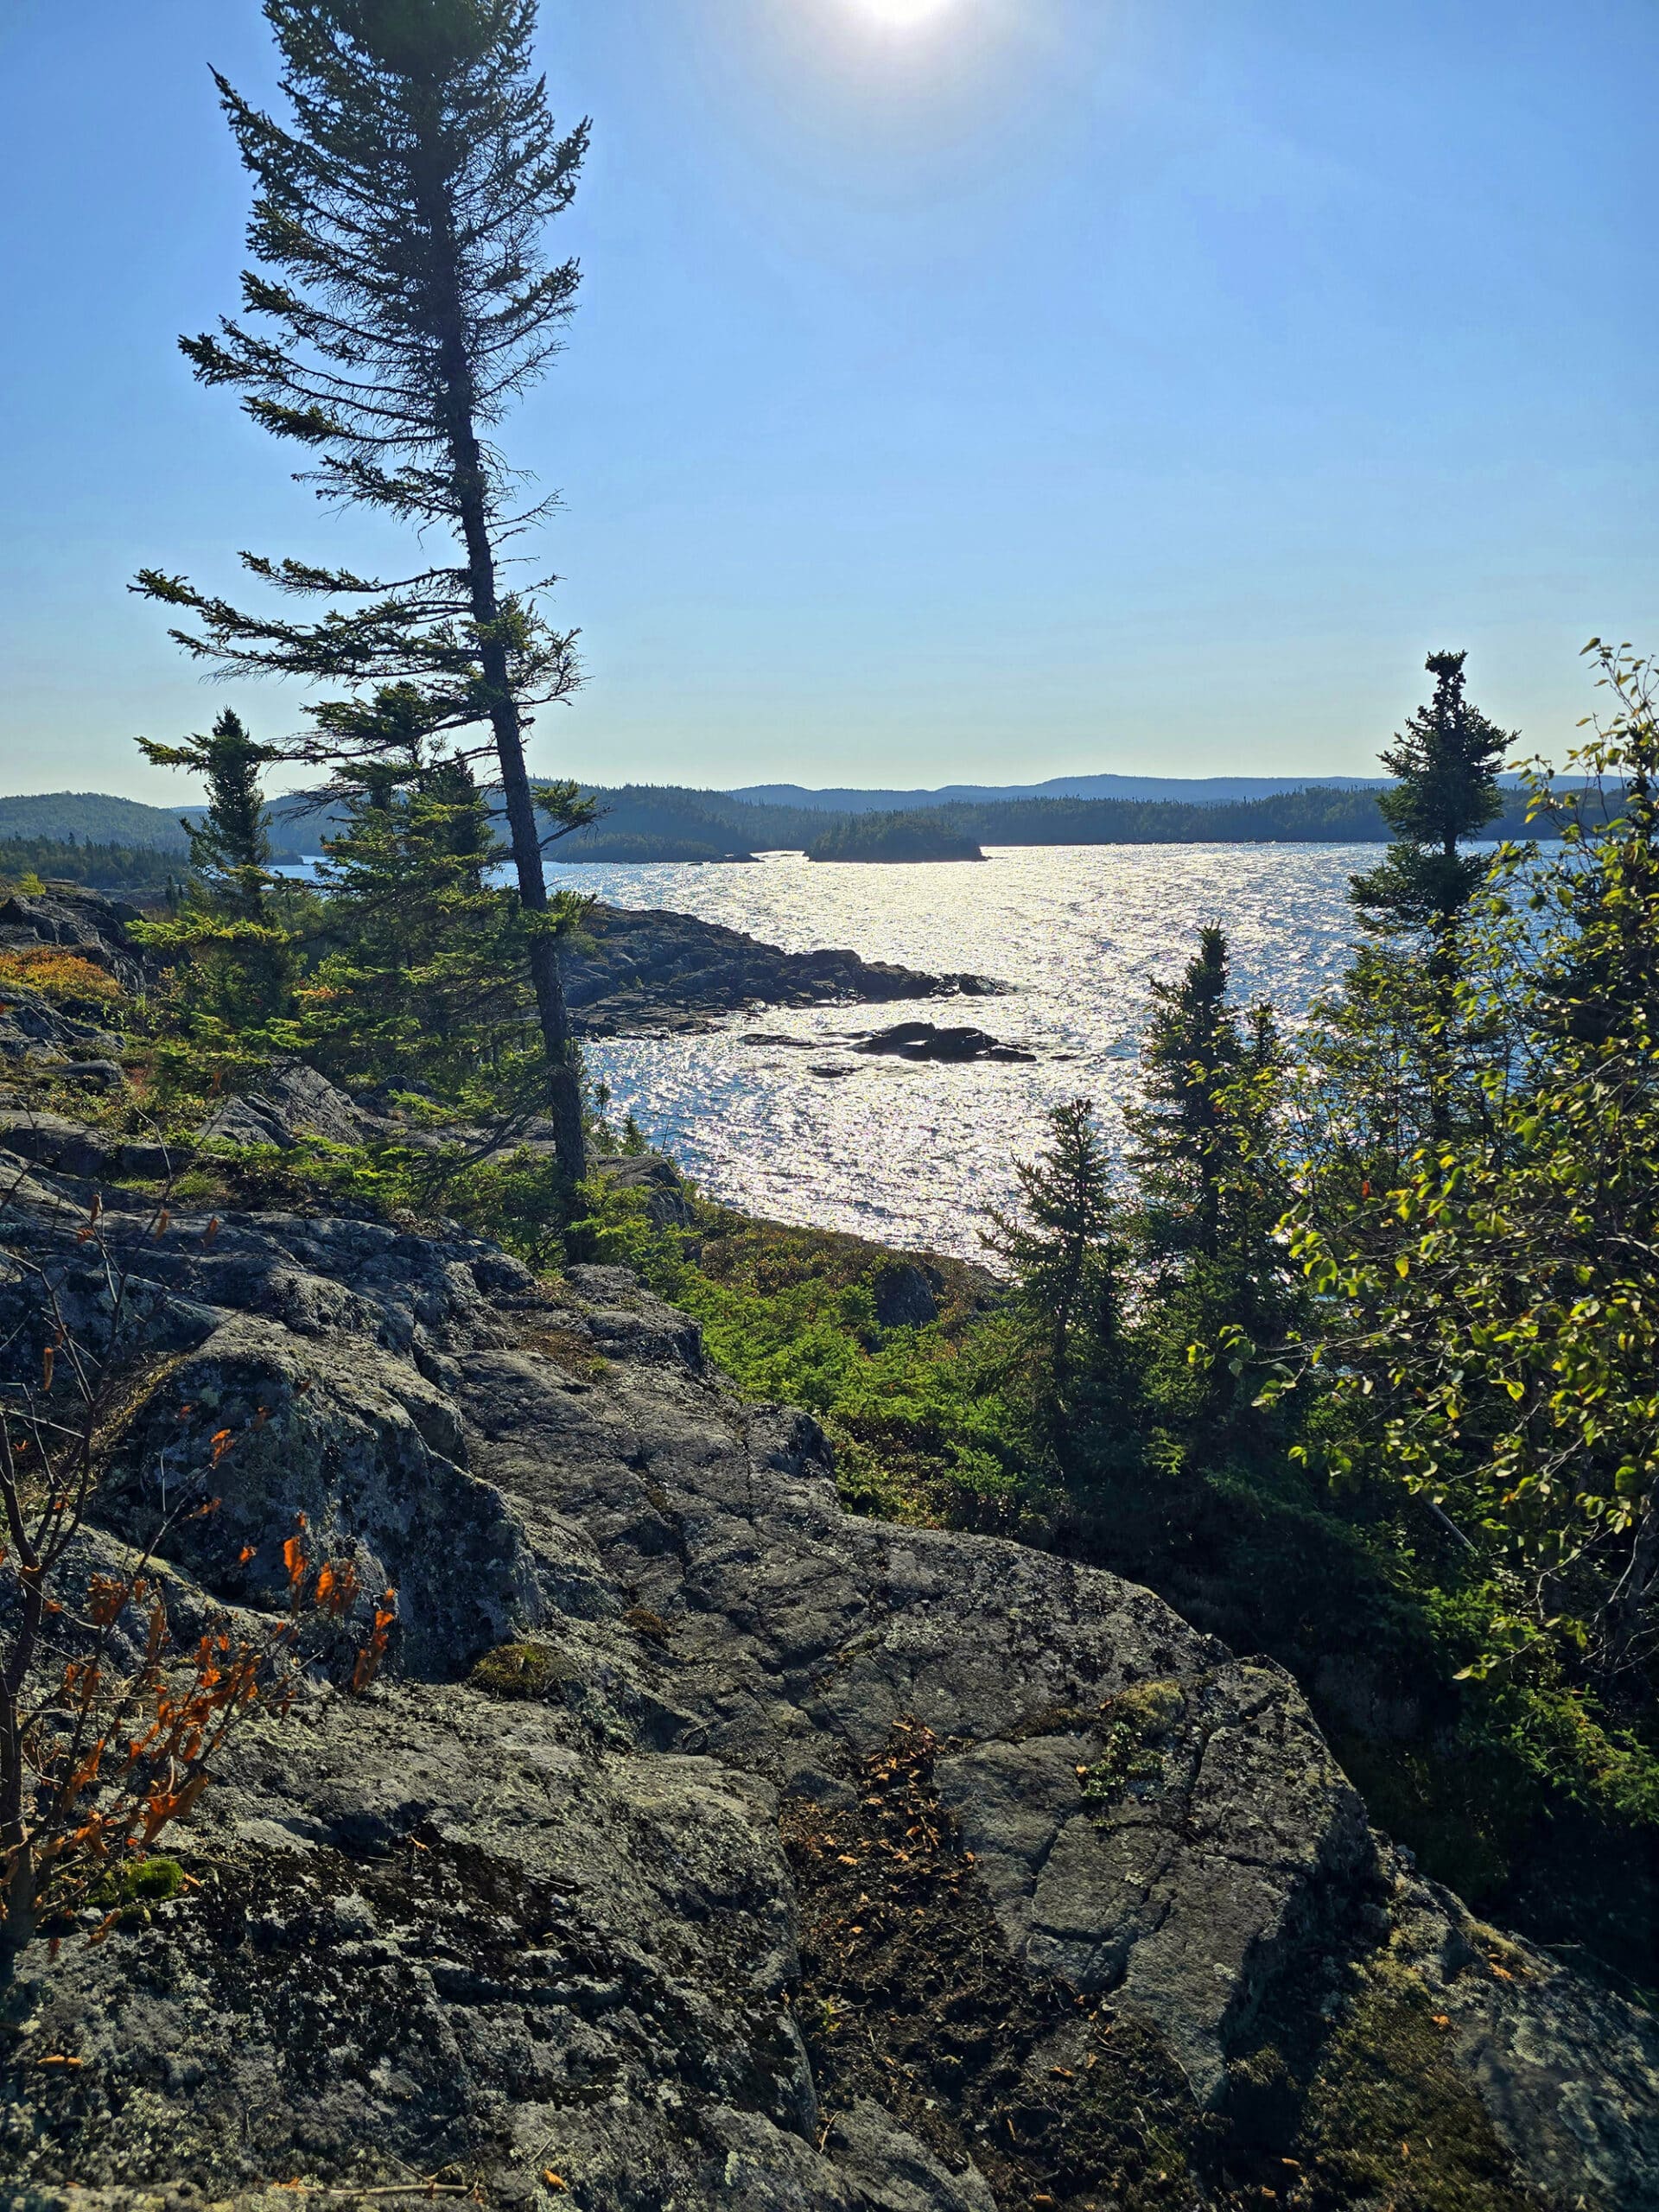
x: 60, y: 822
x: 677, y: 817
x: 1319, y: 816
x: 1200, y: 790
x: 640, y: 821
x: 93, y: 818
x: 642, y: 813
x: 1316, y: 817
x: 671, y: 822
x: 698, y: 824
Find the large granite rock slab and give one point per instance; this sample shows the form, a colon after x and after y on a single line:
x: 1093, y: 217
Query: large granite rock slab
x: 291, y: 1101
x: 704, y: 1845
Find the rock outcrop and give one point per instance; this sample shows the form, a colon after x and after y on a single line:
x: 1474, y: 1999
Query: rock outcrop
x: 634, y: 973
x: 704, y: 1846
x: 650, y: 970
x: 86, y: 923
x: 925, y: 1040
x: 289, y: 1101
x: 34, y: 1024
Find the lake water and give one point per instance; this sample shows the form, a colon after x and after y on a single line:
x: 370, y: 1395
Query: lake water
x: 913, y: 1154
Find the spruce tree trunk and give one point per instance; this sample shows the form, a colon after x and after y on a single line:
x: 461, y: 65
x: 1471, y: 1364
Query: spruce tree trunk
x: 563, y: 1090
x: 1443, y: 966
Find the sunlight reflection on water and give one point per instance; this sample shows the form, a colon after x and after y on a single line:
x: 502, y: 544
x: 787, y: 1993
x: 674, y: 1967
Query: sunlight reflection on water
x: 913, y: 1154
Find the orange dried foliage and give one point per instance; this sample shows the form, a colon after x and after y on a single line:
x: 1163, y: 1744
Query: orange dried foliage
x: 56, y: 974
x: 142, y: 1749
x: 370, y: 1657
x: 95, y: 1763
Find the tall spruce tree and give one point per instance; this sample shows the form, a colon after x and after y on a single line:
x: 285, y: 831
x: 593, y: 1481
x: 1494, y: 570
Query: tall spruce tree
x: 1395, y: 1054
x: 1067, y: 1255
x: 1191, y: 1055
x: 424, y: 976
x: 230, y: 847
x: 1445, y: 762
x: 400, y: 300
x: 1212, y: 1186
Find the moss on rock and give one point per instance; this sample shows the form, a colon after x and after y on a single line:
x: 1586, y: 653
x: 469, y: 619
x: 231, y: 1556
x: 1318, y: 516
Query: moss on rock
x: 1391, y: 2119
x: 526, y: 1670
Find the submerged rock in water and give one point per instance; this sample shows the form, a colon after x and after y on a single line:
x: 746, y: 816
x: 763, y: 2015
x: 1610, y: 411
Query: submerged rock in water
x: 703, y: 1842
x: 921, y: 1041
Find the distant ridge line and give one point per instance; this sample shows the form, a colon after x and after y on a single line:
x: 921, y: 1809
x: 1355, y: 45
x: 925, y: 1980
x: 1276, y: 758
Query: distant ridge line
x: 645, y: 822
x: 1198, y: 791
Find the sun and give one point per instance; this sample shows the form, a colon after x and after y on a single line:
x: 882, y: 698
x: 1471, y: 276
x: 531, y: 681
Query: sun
x: 900, y: 15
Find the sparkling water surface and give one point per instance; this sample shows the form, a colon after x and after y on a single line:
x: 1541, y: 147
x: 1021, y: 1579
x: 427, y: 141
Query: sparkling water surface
x: 913, y: 1154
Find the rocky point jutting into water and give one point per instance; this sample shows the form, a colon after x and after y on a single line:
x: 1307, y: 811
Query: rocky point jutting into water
x: 630, y: 972
x: 651, y: 970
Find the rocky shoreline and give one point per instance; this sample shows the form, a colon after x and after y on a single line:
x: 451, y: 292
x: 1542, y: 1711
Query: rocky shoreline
x: 704, y: 1845
x: 650, y: 972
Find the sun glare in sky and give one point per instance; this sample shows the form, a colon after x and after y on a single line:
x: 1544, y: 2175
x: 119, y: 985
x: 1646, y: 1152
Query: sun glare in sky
x: 900, y: 15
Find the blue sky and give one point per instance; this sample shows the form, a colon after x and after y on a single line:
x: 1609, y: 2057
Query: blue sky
x: 1042, y: 387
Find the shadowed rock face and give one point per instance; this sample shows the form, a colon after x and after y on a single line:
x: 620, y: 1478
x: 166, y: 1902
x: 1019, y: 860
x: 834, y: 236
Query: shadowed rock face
x: 905, y: 1295
x: 32, y: 1025
x: 605, y: 1922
